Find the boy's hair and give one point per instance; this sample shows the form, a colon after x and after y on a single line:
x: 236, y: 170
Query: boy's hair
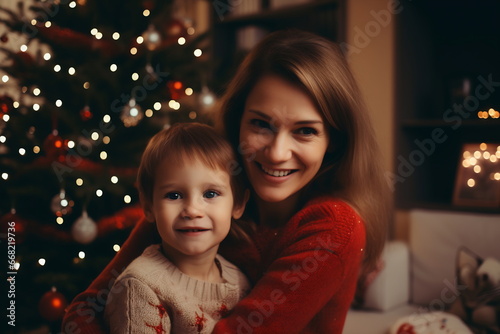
x: 189, y: 142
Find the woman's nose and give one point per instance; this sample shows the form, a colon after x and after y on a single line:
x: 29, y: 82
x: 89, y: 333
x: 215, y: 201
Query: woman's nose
x: 279, y: 148
x: 193, y: 208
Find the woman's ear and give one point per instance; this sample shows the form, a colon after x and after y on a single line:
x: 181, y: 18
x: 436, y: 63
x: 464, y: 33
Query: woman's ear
x: 239, y: 208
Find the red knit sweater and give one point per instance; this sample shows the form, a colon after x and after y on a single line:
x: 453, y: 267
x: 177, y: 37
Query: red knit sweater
x: 305, y: 274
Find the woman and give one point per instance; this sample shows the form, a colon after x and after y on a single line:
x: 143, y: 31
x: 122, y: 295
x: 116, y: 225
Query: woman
x: 294, y: 115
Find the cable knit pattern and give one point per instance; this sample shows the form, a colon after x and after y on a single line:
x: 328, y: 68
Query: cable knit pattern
x: 305, y: 274
x: 153, y: 296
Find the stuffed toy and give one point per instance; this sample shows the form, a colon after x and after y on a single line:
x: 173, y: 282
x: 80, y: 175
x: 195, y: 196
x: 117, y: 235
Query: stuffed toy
x: 478, y: 304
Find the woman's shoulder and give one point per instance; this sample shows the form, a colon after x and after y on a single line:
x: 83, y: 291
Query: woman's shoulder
x: 331, y: 220
x: 331, y: 208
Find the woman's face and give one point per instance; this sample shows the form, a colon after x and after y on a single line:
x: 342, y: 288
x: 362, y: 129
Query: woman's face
x: 283, y: 139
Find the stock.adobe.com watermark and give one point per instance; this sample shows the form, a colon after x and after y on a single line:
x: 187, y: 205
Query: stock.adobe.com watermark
x: 11, y: 273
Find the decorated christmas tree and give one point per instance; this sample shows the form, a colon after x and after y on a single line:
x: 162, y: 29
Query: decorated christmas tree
x: 84, y: 85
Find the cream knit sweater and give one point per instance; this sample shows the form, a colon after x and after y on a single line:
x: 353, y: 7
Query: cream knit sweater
x: 153, y: 296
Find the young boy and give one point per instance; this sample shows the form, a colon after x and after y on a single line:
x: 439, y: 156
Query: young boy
x: 182, y: 285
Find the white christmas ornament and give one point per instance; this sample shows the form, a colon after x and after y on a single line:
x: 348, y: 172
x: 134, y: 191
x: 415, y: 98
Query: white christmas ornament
x: 152, y: 38
x: 131, y: 113
x: 84, y: 230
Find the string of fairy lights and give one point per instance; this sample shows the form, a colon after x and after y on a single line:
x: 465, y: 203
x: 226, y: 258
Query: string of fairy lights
x: 84, y: 229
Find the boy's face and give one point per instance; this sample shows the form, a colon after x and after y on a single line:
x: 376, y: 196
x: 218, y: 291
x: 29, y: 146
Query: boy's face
x: 192, y: 207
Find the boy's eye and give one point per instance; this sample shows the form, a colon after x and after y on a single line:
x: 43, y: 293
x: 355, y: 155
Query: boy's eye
x: 210, y: 194
x: 173, y: 196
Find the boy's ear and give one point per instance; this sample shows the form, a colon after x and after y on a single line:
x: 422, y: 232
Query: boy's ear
x: 147, y: 208
x: 238, y: 209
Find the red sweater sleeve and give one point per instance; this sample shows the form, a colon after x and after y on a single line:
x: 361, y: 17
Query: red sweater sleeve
x: 310, y: 282
x: 85, y: 314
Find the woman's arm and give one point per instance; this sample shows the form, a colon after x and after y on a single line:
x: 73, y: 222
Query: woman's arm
x: 309, y: 287
x: 134, y: 308
x: 85, y: 313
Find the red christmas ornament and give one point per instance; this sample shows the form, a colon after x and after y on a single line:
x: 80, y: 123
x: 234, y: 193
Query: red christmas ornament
x: 54, y: 146
x: 13, y: 224
x: 175, y: 28
x: 52, y: 305
x: 175, y: 89
x: 6, y: 104
x: 86, y: 114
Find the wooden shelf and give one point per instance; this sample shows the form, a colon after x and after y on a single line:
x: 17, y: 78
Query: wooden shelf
x: 285, y: 12
x: 438, y: 44
x: 466, y: 123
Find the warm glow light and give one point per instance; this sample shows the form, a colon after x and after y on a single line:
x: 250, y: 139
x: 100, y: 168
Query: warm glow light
x: 472, y: 161
x: 94, y: 135
x: 157, y: 106
x: 81, y: 255
x: 190, y: 31
x: 477, y: 169
x: 86, y: 85
x: 181, y: 41
x: 133, y: 51
x: 72, y: 4
x: 127, y: 199
x: 189, y: 91
x: 5, y: 176
x: 71, y: 144
x: 497, y: 176
x: 477, y: 155
x: 48, y: 24
x: 135, y: 76
x: 79, y: 182
x: 471, y: 183
x: 57, y: 68
x: 116, y: 36
x: 36, y: 91
x: 5, y: 118
x: 114, y: 179
x: 106, y: 118
x: 483, y: 146
x: 493, y: 158
x: 94, y: 31
x: 197, y: 53
x: 5, y: 78
x: 116, y: 247
x: 59, y: 220
x: 192, y: 114
x: 103, y: 155
x: 58, y: 103
x: 41, y: 261
x: 98, y: 192
x: 71, y: 71
x: 36, y: 107
x: 486, y: 155
x: 148, y: 113
x: 146, y: 12
x: 23, y: 48
x: 36, y: 149
x: 22, y: 151
x: 98, y: 35
x: 139, y: 40
x: 106, y: 140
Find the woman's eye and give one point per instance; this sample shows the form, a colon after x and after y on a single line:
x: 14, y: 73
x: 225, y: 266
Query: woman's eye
x: 260, y: 123
x: 173, y: 196
x: 210, y: 194
x: 307, y: 131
